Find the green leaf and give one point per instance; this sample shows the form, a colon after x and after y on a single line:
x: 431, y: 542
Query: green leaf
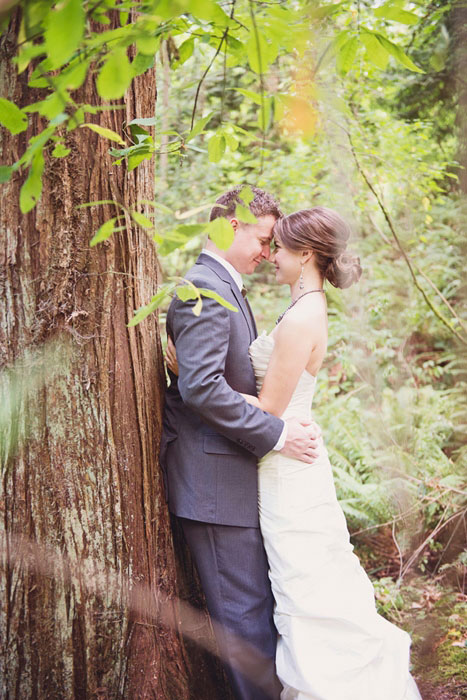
x: 98, y: 203
x: 398, y: 54
x: 142, y: 63
x: 231, y: 141
x: 103, y: 131
x: 32, y: 188
x: 155, y: 302
x: 216, y: 147
x: 257, y: 52
x: 253, y: 96
x: 186, y: 293
x: 340, y: 40
x: 213, y: 295
x: 6, y: 172
x: 12, y: 117
x: 115, y: 75
x: 141, y: 220
x: 26, y: 53
x: 320, y: 12
x: 36, y: 143
x: 156, y: 205
x: 185, y: 51
x: 104, y: 232
x: 65, y: 28
x: 346, y: 55
x: 143, y: 121
x: 144, y: 312
x: 60, y: 151
x: 51, y: 107
x: 396, y: 14
x: 148, y: 45
x: 438, y: 60
x: 375, y: 50
x: 246, y: 195
x: 197, y: 307
x: 207, y: 10
x: 140, y: 135
x: 244, y: 215
x: 74, y: 77
x: 178, y: 237
x: 221, y: 232
x: 76, y: 119
x: 137, y: 158
x: 199, y: 126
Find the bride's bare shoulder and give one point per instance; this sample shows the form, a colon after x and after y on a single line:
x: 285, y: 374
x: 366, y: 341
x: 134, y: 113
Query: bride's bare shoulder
x: 305, y: 315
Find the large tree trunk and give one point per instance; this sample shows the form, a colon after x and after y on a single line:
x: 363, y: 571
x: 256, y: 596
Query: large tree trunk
x: 80, y: 472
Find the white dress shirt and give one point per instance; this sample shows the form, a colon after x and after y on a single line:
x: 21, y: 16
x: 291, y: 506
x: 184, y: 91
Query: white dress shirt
x: 237, y: 278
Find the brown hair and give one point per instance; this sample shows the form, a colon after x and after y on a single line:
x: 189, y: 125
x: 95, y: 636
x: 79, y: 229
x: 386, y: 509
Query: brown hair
x: 262, y: 203
x: 326, y: 233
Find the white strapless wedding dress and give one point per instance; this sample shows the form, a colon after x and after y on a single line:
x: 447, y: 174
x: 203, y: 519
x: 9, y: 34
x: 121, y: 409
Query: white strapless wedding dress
x: 332, y: 643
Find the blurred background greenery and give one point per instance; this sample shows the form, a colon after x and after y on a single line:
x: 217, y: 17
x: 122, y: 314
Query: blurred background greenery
x: 382, y: 146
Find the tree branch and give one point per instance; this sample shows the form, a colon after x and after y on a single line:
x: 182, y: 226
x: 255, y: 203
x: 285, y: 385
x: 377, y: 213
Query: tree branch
x: 223, y: 38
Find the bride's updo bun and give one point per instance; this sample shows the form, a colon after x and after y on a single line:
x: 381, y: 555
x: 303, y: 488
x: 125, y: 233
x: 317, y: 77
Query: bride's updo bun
x: 344, y: 270
x: 326, y: 233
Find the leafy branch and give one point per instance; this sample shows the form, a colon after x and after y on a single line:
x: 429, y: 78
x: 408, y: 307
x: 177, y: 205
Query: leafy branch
x: 401, y: 249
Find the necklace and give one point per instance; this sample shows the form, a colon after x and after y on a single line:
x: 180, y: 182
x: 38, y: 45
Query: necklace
x: 294, y: 302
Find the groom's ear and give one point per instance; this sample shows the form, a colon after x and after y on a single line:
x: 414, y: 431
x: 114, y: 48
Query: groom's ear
x: 234, y: 223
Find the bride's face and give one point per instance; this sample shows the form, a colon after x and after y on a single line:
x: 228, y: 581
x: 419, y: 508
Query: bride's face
x: 288, y: 263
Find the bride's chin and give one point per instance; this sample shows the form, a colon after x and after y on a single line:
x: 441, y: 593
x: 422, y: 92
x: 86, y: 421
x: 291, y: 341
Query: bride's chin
x: 279, y: 278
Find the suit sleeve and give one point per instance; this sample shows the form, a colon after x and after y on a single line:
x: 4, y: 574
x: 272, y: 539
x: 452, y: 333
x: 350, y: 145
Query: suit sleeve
x: 202, y: 343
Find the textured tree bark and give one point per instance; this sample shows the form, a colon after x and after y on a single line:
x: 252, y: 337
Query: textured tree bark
x: 79, y: 457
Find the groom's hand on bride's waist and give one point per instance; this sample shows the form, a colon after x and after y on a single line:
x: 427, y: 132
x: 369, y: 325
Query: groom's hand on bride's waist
x: 302, y: 442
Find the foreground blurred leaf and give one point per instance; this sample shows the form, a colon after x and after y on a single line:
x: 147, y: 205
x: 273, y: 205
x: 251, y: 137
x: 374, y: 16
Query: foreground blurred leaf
x: 64, y: 31
x: 12, y: 117
x: 221, y: 232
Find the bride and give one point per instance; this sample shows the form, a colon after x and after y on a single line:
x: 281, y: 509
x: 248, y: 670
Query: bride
x: 332, y: 643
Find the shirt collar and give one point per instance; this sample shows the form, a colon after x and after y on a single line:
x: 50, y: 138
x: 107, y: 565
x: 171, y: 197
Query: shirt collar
x: 237, y: 278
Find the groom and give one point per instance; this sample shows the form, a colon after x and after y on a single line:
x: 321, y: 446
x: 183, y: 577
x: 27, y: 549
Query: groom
x: 212, y: 440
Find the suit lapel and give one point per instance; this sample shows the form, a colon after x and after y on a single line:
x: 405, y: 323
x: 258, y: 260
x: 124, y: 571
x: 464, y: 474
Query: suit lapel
x: 242, y: 303
x: 247, y: 304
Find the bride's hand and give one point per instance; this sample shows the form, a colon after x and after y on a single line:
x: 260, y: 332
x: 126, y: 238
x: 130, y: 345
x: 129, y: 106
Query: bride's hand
x: 171, y: 357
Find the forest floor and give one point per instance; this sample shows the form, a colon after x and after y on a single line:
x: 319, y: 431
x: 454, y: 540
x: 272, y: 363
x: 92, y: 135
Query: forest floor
x: 434, y: 610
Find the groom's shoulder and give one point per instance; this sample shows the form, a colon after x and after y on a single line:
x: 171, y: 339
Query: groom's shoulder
x: 202, y: 275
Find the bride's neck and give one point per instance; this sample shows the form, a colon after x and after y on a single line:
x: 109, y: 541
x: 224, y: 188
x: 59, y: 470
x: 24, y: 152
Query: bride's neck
x: 311, y: 280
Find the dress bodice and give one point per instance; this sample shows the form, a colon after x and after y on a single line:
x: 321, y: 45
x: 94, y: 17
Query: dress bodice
x: 302, y: 397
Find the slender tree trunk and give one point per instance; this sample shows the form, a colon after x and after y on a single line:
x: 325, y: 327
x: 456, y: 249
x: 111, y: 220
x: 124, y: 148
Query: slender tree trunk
x: 458, y: 27
x: 80, y: 473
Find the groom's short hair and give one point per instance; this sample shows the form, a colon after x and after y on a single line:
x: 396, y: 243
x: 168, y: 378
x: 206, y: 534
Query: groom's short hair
x: 262, y: 204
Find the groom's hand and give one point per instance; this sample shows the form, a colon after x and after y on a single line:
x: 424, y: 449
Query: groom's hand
x: 302, y: 440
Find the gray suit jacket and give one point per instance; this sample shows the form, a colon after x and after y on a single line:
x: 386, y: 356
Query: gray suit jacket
x: 212, y: 438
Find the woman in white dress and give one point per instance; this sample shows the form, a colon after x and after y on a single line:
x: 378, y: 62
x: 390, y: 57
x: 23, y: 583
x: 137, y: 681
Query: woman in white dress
x: 332, y: 643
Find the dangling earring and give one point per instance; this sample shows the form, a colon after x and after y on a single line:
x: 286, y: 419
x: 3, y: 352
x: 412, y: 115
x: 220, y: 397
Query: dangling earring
x: 302, y: 283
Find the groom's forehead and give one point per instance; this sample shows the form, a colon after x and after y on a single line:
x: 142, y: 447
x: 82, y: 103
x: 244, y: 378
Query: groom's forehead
x: 264, y: 227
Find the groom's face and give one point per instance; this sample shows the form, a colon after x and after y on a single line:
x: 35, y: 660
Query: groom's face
x: 252, y: 244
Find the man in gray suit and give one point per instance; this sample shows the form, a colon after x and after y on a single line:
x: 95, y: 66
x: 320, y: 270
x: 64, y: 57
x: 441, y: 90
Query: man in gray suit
x: 212, y: 440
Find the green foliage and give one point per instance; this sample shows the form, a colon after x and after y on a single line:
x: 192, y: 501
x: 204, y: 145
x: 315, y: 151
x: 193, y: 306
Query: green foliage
x: 62, y: 43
